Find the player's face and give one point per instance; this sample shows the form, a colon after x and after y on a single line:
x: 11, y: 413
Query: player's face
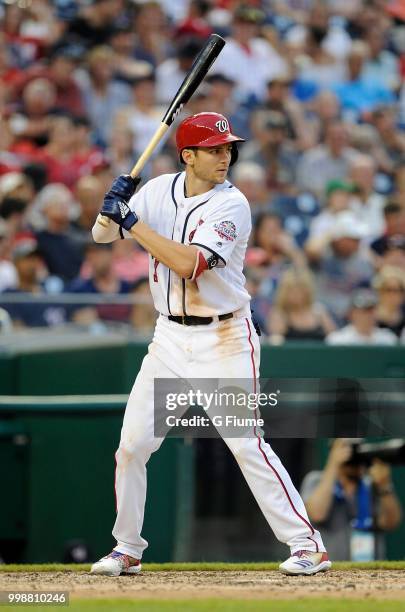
x: 212, y: 164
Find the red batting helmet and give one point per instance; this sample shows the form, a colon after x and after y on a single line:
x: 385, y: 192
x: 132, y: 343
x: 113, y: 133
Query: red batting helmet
x: 206, y: 130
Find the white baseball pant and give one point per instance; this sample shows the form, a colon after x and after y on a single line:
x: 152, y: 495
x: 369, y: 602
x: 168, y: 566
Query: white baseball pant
x: 232, y: 349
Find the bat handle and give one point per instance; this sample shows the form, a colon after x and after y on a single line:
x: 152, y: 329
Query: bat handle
x: 104, y: 221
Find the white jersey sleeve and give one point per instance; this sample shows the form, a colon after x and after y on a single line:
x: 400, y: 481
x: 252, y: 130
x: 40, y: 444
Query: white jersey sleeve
x: 223, y: 227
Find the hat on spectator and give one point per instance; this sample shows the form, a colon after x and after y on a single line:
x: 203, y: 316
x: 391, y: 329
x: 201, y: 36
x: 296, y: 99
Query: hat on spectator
x: 338, y: 185
x: 11, y: 181
x: 348, y: 226
x: 219, y: 77
x: 249, y: 14
x: 284, y: 78
x: 24, y: 245
x: 363, y: 299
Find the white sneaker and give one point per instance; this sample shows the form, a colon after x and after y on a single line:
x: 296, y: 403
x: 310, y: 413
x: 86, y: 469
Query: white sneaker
x: 116, y: 563
x: 306, y: 562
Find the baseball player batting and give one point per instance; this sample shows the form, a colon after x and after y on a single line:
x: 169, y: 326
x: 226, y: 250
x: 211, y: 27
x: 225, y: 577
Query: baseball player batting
x: 195, y: 226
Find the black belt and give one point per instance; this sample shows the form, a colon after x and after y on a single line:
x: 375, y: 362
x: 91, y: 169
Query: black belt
x: 190, y: 320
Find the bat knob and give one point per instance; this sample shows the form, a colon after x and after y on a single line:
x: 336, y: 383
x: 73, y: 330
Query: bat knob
x: 104, y: 221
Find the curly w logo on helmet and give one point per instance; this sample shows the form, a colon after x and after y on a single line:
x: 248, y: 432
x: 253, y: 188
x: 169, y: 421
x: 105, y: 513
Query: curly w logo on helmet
x: 222, y: 125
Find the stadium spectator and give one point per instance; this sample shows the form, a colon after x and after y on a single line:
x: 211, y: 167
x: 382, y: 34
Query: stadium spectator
x: 103, y: 96
x: 317, y: 68
x: 9, y: 74
x: 295, y: 314
x: 395, y: 252
x: 362, y: 328
x: 220, y: 98
x: 390, y: 287
x: 341, y: 263
x: 195, y: 23
x: 58, y: 155
x: 95, y: 21
x: 88, y: 193
x: 327, y: 161
x: 59, y: 246
x: 16, y: 185
x: 126, y: 67
x: 119, y: 152
x: 171, y: 72
x: 14, y: 213
x: 382, y: 66
x: 394, y: 225
x: 247, y: 59
x: 250, y: 178
x: 322, y: 110
x: 86, y: 155
x: 60, y: 70
x: 271, y: 149
x: 102, y: 281
x: 337, y: 200
x: 30, y: 123
x: 31, y: 284
x: 392, y: 141
x: 130, y: 261
x: 316, y: 18
x: 353, y: 504
x: 366, y: 204
x: 359, y: 94
x: 272, y: 251
x: 153, y: 43
x: 279, y: 99
x: 142, y: 117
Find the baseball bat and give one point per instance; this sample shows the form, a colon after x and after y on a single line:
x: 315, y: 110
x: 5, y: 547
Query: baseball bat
x: 198, y: 70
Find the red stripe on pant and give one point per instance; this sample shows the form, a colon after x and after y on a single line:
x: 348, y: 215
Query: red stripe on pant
x: 262, y: 451
x: 115, y: 482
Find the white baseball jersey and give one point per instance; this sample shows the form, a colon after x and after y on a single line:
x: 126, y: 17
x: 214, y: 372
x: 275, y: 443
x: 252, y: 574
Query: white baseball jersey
x: 218, y: 223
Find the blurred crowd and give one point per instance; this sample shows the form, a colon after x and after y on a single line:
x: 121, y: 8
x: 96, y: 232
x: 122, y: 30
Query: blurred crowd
x: 316, y: 88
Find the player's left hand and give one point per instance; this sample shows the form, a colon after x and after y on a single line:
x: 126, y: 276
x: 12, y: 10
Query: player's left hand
x: 124, y: 186
x: 380, y: 473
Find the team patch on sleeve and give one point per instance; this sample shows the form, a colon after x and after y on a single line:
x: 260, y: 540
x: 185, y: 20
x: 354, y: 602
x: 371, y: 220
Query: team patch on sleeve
x: 226, y: 230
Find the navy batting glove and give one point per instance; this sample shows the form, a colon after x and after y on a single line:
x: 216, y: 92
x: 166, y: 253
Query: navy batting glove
x: 116, y: 209
x: 124, y: 186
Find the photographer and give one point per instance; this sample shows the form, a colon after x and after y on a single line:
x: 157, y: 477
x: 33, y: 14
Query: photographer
x: 355, y: 505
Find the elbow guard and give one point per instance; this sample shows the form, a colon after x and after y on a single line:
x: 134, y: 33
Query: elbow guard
x: 200, y: 266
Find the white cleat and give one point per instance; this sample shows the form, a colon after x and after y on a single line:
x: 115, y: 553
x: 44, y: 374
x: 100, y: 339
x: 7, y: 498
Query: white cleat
x: 306, y: 562
x: 116, y: 563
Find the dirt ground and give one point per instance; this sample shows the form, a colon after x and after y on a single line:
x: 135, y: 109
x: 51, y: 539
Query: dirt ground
x: 378, y: 584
